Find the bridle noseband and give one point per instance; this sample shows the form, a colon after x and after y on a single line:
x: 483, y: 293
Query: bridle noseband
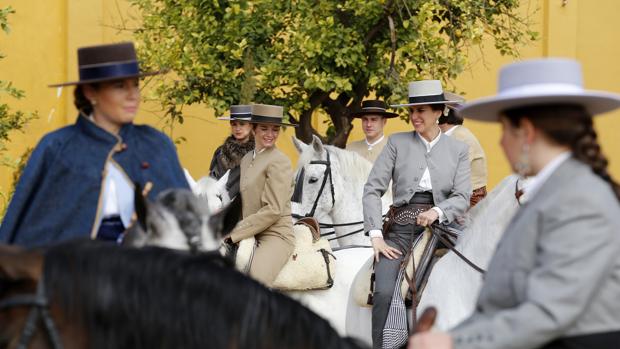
x: 39, y: 305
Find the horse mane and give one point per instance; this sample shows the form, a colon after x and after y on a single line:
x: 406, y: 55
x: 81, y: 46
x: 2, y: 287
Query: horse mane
x: 350, y: 161
x: 160, y: 298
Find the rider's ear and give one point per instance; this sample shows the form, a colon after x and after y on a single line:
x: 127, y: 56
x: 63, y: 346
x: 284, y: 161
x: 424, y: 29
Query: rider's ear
x: 225, y: 220
x: 17, y: 264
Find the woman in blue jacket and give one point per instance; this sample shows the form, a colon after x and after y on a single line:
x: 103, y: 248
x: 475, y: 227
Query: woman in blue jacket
x: 80, y: 179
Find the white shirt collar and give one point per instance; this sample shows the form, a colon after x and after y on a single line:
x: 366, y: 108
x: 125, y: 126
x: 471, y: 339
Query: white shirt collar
x: 535, y: 183
x: 370, y: 145
x: 451, y: 130
x: 431, y: 144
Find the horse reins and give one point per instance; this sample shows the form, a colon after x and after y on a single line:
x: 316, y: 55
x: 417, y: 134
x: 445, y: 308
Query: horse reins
x: 39, y: 305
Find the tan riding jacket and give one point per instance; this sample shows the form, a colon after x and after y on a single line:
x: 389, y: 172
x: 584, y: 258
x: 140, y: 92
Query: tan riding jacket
x: 361, y: 147
x: 477, y: 158
x: 266, y: 187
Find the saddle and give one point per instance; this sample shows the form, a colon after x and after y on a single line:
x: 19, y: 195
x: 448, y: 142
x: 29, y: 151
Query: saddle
x: 311, y: 265
x: 363, y: 283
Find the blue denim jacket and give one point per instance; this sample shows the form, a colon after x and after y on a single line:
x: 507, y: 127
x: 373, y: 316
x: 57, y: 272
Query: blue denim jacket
x: 58, y: 196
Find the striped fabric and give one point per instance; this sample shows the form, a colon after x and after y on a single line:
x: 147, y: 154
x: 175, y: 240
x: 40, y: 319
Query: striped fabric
x: 395, y: 330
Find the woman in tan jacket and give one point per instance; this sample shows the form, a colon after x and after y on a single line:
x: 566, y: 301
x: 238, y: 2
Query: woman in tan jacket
x: 266, y: 187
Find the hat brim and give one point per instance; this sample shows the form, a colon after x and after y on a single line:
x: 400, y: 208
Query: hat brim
x: 425, y: 103
x: 272, y: 123
x: 93, y: 81
x: 228, y: 118
x: 385, y: 114
x: 489, y: 108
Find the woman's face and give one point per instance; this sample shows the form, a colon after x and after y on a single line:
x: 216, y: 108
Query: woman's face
x: 424, y: 118
x: 115, y: 102
x: 266, y: 135
x: 240, y: 130
x: 512, y: 142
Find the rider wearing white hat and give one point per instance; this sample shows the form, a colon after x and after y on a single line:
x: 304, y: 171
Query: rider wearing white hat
x: 430, y: 182
x: 554, y: 280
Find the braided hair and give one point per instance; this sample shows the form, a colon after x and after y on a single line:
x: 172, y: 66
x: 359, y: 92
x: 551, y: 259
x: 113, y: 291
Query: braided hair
x: 81, y: 102
x: 568, y: 125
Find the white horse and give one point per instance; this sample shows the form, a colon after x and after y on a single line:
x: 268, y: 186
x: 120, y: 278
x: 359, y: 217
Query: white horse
x: 332, y: 182
x: 453, y: 286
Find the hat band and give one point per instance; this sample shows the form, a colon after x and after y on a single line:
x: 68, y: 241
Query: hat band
x: 109, y: 71
x: 373, y: 109
x: 265, y: 119
x: 427, y: 99
x: 241, y: 115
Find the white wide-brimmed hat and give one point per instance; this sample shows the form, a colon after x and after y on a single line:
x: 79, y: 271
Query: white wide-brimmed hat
x: 241, y: 112
x: 426, y: 92
x: 540, y: 82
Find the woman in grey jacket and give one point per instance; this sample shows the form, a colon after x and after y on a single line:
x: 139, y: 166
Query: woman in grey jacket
x: 554, y: 280
x: 430, y: 182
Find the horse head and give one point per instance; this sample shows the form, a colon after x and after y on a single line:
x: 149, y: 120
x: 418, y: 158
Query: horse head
x: 314, y: 181
x: 180, y: 220
x: 214, y: 191
x: 24, y: 304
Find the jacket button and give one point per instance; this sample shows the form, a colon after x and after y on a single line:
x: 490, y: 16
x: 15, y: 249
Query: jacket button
x: 145, y: 165
x: 415, y: 179
x: 123, y: 147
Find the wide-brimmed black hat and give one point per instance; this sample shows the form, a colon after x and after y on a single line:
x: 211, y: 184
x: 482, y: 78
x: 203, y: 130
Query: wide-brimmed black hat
x: 374, y: 107
x: 107, y: 62
x: 240, y: 112
x: 268, y: 114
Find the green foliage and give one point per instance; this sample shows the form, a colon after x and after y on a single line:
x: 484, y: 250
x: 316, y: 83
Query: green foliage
x: 314, y: 56
x: 10, y: 120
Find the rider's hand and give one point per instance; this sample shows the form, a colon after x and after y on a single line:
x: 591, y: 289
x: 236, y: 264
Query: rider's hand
x: 430, y: 340
x: 427, y: 218
x: 380, y: 247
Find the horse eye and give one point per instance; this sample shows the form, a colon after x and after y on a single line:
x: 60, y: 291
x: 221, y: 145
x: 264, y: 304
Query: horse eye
x: 313, y: 180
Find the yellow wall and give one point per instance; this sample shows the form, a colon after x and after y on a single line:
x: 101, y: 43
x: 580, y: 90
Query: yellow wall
x: 41, y: 49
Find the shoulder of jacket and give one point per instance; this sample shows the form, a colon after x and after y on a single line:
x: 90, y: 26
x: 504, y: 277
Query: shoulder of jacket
x: 58, y: 137
x: 401, y: 136
x: 149, y: 132
x: 456, y: 143
x: 279, y: 156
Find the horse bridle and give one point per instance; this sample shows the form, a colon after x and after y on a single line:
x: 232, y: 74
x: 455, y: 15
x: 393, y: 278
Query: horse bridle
x: 39, y: 305
x: 326, y: 173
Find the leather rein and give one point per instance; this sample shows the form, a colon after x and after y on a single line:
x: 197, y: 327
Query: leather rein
x: 39, y: 310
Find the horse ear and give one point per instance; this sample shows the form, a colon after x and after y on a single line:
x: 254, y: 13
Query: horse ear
x: 225, y: 220
x: 221, y: 183
x: 317, y: 144
x: 140, y: 205
x: 299, y: 145
x: 18, y: 264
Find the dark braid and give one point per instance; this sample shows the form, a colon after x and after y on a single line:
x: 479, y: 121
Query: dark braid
x: 569, y: 125
x: 81, y: 102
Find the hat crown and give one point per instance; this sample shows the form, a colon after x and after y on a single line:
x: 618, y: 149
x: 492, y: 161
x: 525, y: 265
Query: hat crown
x: 374, y: 104
x: 425, y: 88
x: 272, y: 111
x: 556, y: 73
x: 106, y: 54
x: 240, y: 109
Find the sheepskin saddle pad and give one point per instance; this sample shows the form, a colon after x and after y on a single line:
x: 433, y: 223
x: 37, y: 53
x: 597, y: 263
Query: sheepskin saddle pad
x: 310, y: 267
